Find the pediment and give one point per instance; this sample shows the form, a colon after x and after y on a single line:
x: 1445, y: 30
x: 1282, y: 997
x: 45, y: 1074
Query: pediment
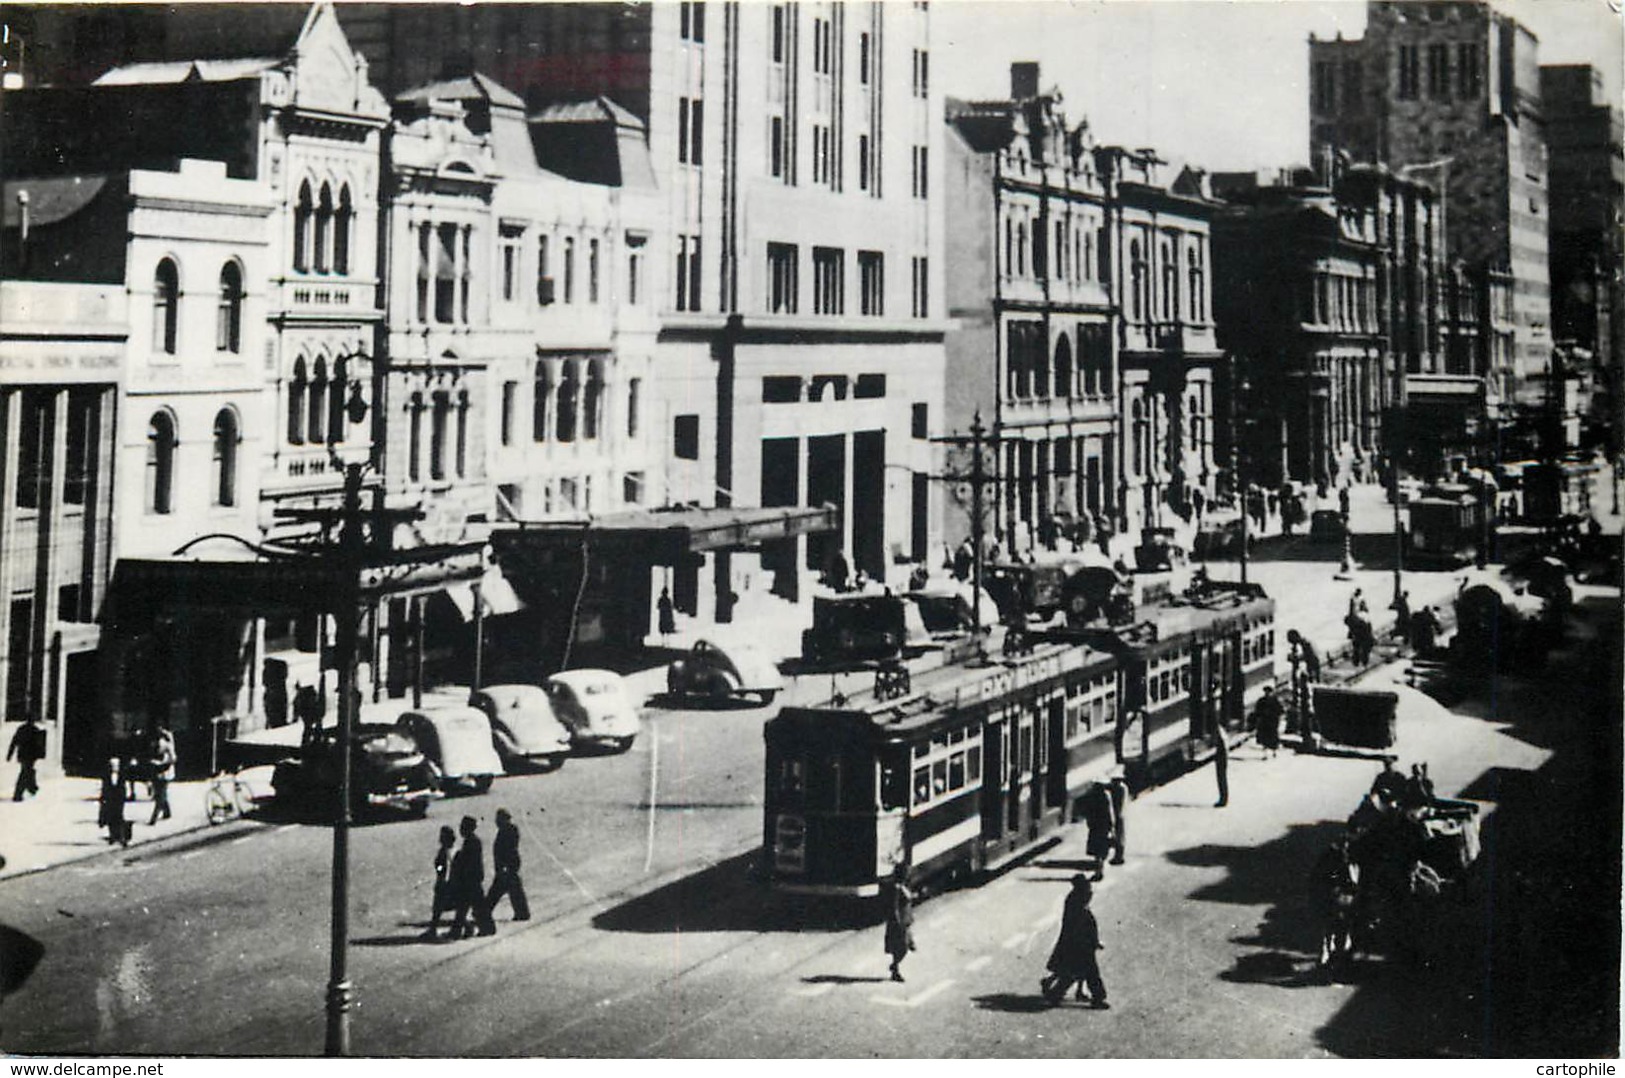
x: 328, y: 74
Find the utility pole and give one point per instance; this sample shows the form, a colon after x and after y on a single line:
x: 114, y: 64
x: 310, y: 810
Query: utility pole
x: 344, y: 604
x: 977, y: 479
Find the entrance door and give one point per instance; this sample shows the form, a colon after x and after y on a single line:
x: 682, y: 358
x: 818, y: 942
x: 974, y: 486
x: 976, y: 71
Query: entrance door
x: 81, y: 711
x: 826, y: 482
x: 869, y: 502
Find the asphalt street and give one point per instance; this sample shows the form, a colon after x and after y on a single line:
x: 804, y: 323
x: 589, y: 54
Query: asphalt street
x: 652, y: 938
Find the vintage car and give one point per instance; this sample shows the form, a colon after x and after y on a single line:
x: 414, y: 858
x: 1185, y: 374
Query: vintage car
x: 717, y: 672
x: 388, y: 769
x: 457, y: 740
x: 949, y: 610
x: 595, y: 707
x: 524, y: 729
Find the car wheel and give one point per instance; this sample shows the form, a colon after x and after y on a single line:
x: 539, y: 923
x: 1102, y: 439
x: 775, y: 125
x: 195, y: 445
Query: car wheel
x: 767, y: 696
x: 623, y: 743
x: 482, y: 783
x: 420, y: 808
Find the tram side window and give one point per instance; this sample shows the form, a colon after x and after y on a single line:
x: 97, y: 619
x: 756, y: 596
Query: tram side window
x: 973, y: 764
x: 956, y: 771
x: 1185, y: 678
x: 939, y: 778
x: 922, y: 785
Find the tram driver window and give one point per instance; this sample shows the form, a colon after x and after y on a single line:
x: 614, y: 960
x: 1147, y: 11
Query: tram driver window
x: 893, y: 784
x: 973, y: 763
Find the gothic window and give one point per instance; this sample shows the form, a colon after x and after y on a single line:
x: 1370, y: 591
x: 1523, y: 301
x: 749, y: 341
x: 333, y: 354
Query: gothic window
x: 298, y: 385
x: 343, y: 227
x: 592, y: 401
x: 316, y: 421
x: 324, y: 229
x: 303, y: 212
x: 336, y: 418
x: 439, y: 420
x: 1063, y: 366
x: 569, y: 389
x: 542, y: 393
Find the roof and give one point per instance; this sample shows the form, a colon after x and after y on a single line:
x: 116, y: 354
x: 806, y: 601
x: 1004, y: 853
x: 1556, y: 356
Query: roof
x: 168, y: 72
x: 463, y: 88
x: 596, y: 110
x: 51, y: 199
x: 679, y: 530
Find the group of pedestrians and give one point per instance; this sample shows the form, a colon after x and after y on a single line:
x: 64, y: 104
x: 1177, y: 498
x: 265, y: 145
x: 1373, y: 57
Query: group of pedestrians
x: 459, y: 879
x: 118, y: 786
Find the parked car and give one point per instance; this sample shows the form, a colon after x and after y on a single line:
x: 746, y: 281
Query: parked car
x: 457, y: 740
x: 595, y: 707
x: 388, y: 770
x: 523, y: 727
x: 710, y: 670
x: 849, y: 629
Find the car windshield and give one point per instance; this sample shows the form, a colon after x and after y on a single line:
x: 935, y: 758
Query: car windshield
x: 597, y: 688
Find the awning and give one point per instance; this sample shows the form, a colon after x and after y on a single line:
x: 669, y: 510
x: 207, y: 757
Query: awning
x: 143, y: 588
x: 665, y: 536
x: 496, y: 595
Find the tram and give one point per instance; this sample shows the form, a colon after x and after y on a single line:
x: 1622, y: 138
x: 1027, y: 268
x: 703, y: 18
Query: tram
x: 965, y: 767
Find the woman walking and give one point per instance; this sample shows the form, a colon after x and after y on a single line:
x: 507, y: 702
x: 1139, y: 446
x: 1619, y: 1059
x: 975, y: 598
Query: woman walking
x: 442, y: 883
x: 899, y: 922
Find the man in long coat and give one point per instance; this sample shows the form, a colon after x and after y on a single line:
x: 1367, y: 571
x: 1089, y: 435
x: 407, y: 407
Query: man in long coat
x: 468, y: 885
x: 1073, y: 959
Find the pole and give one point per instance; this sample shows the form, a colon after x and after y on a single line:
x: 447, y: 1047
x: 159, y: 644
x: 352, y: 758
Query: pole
x: 976, y: 526
x: 350, y: 559
x: 1235, y: 457
x: 479, y: 637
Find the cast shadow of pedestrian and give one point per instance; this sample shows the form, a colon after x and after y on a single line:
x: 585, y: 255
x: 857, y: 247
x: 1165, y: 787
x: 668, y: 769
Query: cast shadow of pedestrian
x: 393, y: 940
x: 841, y: 978
x: 1012, y: 1003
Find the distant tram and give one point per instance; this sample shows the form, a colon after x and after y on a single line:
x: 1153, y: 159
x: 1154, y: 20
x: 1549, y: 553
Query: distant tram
x: 972, y: 764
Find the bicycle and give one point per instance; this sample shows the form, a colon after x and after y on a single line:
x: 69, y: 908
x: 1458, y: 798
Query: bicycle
x: 228, y: 795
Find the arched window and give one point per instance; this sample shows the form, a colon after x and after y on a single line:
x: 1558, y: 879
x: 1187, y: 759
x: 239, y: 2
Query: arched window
x: 462, y: 434
x: 228, y: 328
x: 1142, y: 440
x: 1037, y: 360
x: 1103, y: 254
x: 336, y: 390
x: 438, y: 421
x: 1017, y: 359
x: 316, y: 414
x: 303, y: 211
x: 1063, y: 366
x: 343, y: 225
x: 541, y: 400
x: 324, y: 230
x: 592, y: 401
x: 569, y: 387
x: 226, y: 437
x: 1170, y: 284
x: 297, y: 388
x: 1089, y: 360
x: 1009, y: 247
x: 414, y: 438
x: 1021, y: 248
x: 166, y: 291
x: 161, y: 441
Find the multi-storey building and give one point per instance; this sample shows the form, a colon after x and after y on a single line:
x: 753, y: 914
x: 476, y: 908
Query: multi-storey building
x: 796, y: 274
x: 1449, y: 91
x: 64, y: 320
x: 1086, y: 337
x: 1332, y: 297
x: 1586, y: 136
x: 1029, y: 287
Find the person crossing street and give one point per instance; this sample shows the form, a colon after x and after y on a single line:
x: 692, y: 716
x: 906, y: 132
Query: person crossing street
x: 505, y: 869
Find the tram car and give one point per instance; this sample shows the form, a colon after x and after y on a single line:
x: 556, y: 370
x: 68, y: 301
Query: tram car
x: 972, y: 766
x: 976, y: 763
x: 1187, y: 665
x: 1026, y: 591
x: 1447, y: 527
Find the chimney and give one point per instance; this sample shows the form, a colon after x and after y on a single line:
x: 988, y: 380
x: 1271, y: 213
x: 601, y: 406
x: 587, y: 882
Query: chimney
x: 1023, y: 81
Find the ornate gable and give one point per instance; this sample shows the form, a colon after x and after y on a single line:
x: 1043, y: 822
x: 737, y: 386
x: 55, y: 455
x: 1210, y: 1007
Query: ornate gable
x: 329, y: 75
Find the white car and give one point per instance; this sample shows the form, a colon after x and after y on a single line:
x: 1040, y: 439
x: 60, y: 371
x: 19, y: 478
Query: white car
x: 457, y: 740
x: 595, y: 707
x: 523, y: 726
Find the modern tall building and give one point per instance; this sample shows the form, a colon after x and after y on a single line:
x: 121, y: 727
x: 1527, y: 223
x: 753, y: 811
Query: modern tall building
x: 1586, y: 135
x: 1448, y: 91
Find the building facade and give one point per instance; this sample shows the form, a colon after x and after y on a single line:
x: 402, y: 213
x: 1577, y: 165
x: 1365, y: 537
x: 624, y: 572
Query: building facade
x: 1448, y: 91
x: 1080, y: 286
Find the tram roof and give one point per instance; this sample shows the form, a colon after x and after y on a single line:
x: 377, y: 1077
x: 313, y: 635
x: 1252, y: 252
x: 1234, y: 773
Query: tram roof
x: 936, y: 695
x: 1178, y: 619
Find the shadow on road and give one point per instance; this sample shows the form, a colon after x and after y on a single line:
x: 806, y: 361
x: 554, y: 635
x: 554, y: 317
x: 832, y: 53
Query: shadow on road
x: 1012, y: 1003
x: 840, y: 978
x: 727, y: 897
x: 669, y: 701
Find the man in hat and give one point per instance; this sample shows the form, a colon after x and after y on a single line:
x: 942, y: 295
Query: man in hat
x: 1073, y: 961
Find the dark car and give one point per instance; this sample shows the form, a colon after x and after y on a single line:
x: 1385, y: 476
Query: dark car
x: 388, y: 771
x: 853, y: 629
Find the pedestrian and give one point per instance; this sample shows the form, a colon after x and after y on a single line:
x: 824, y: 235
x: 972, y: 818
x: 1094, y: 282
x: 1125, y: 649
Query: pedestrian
x: 442, y: 883
x: 309, y: 708
x: 113, y: 800
x: 1361, y: 638
x: 274, y: 673
x: 665, y: 615
x: 1267, y: 716
x: 1308, y: 657
x: 1343, y: 502
x: 1097, y: 813
x: 1424, y: 632
x: 1402, y: 615
x: 899, y: 921
x: 1357, y: 603
x: 28, y: 746
x: 162, y: 763
x: 1334, y: 891
x: 839, y: 571
x: 1221, y: 766
x: 468, y: 885
x: 1073, y: 961
x: 505, y: 869
x: 964, y: 559
x: 1118, y: 788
